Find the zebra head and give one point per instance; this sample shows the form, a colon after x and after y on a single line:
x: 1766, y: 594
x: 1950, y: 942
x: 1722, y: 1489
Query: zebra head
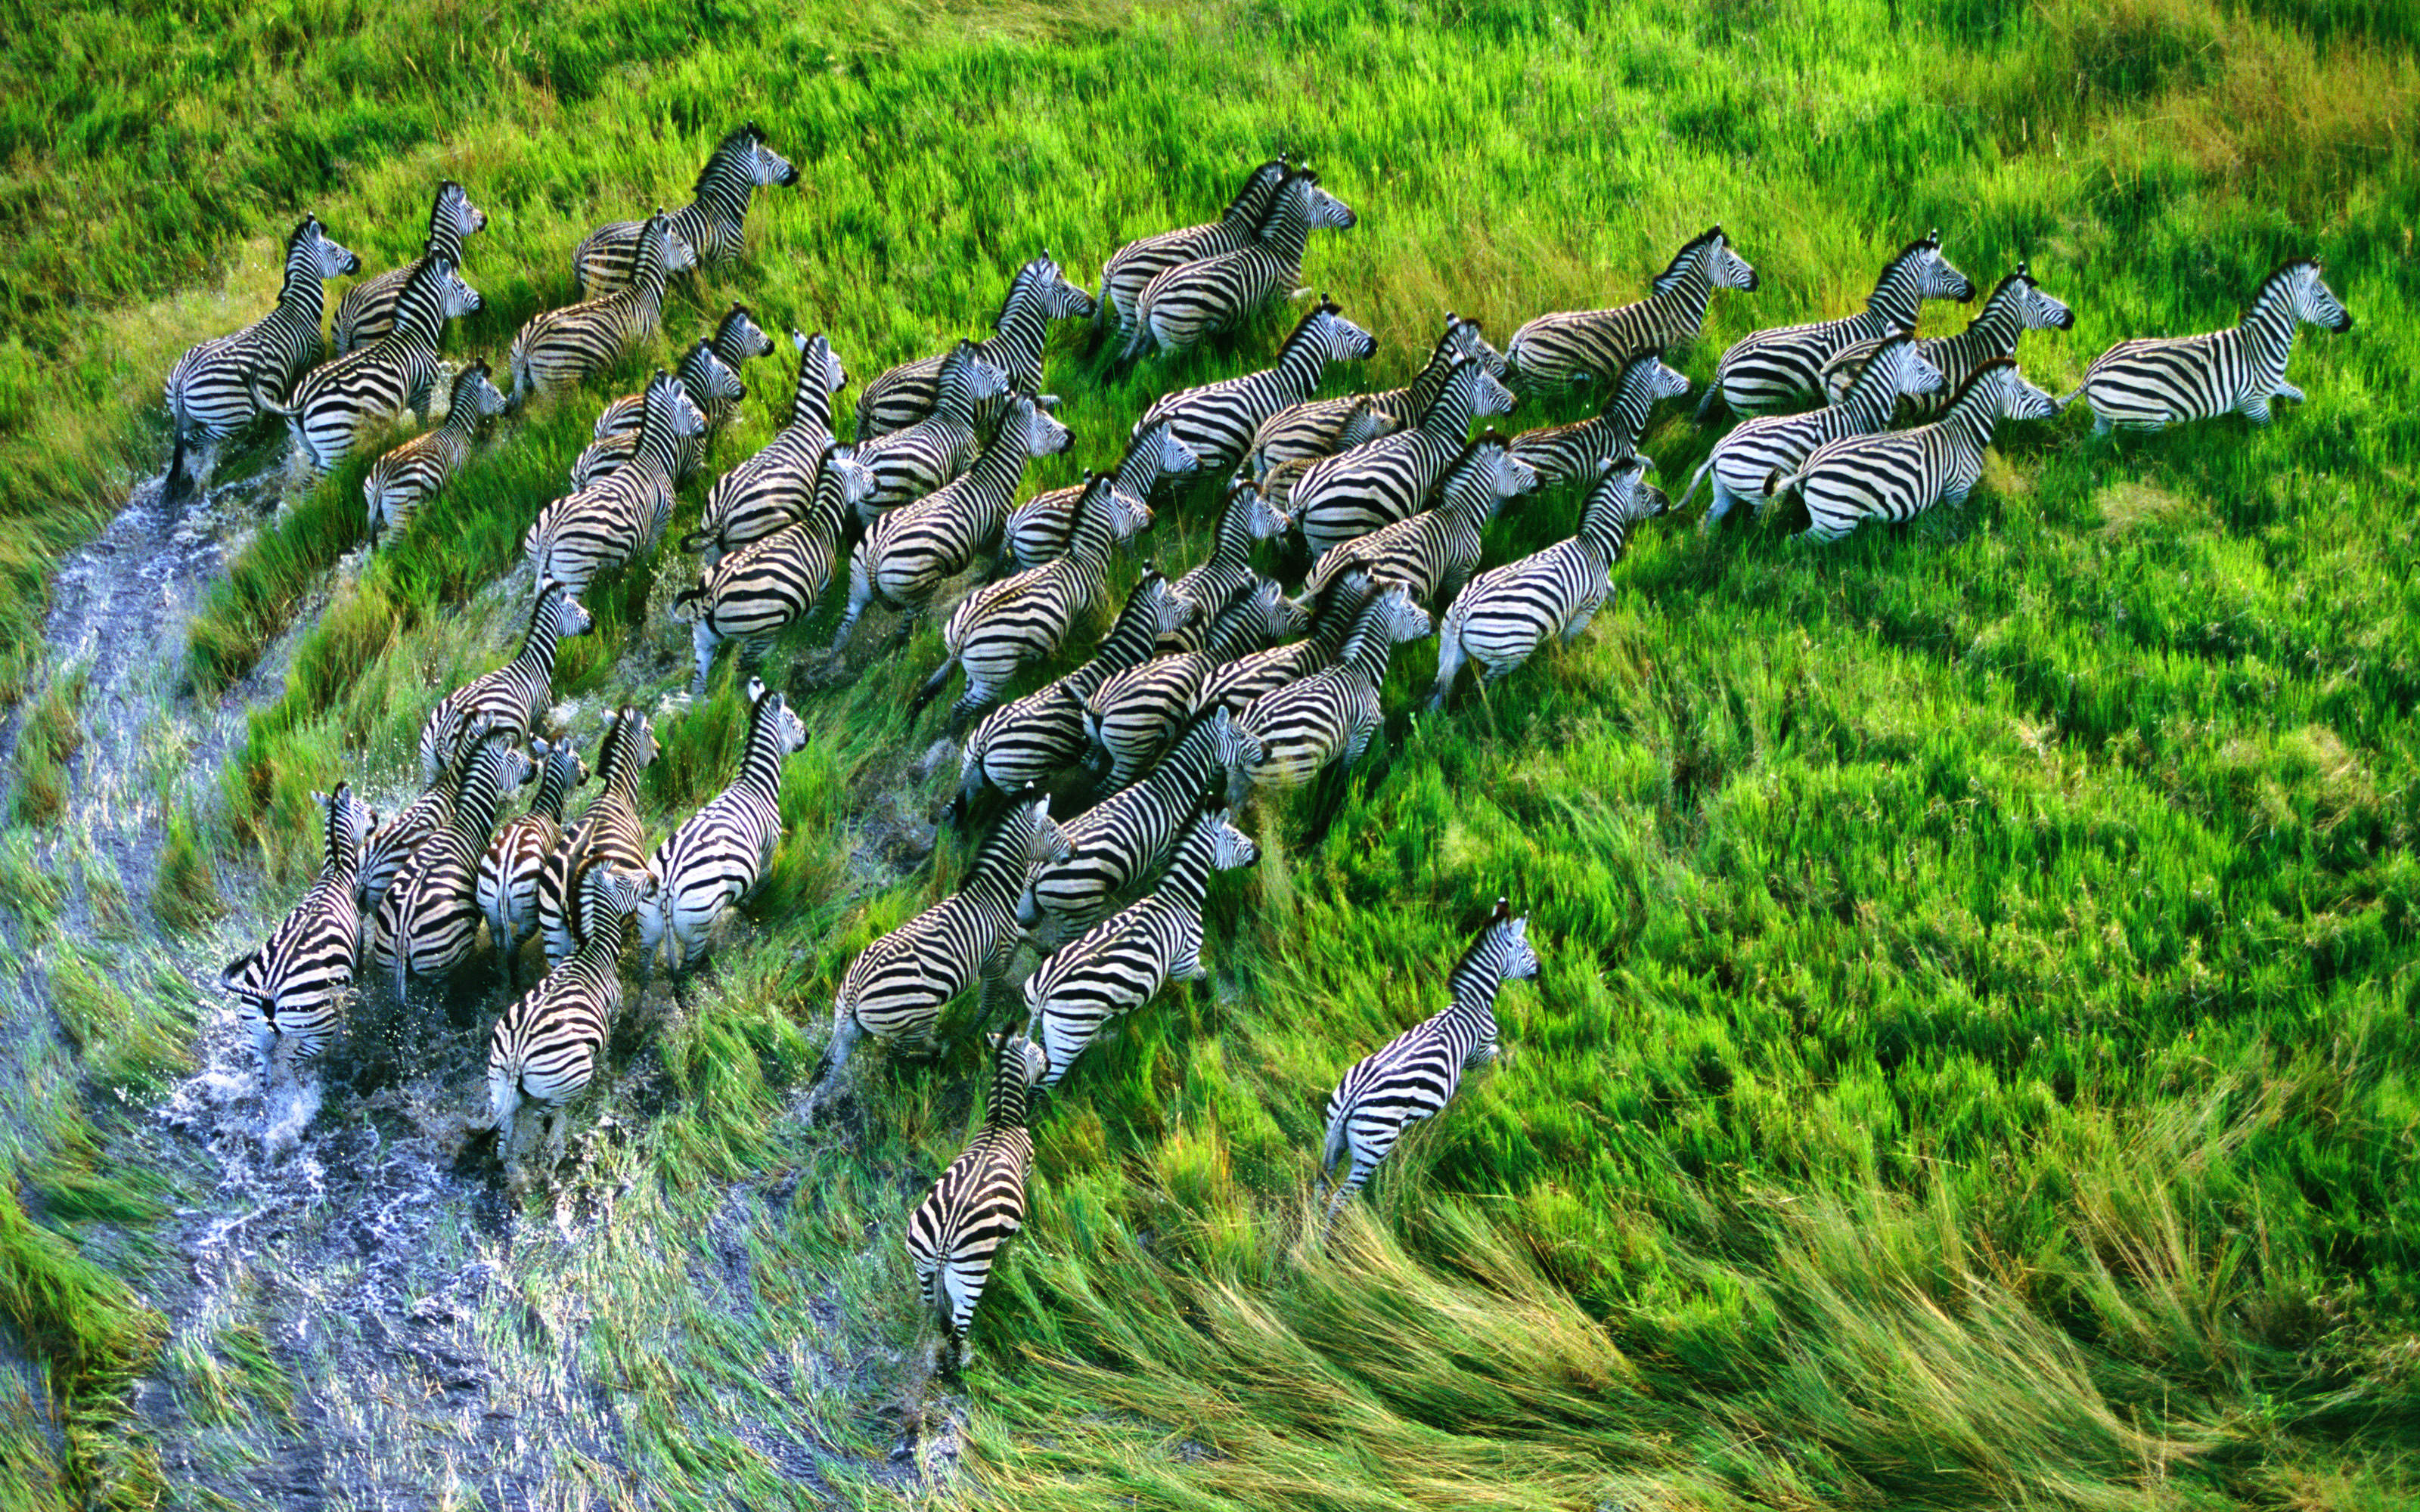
x: 1499, y: 953
x: 1711, y: 256
x: 969, y: 378
x: 1155, y: 601
x: 608, y: 891
x: 1339, y: 339
x: 1263, y: 521
x: 1937, y: 278
x: 562, y: 768
x: 476, y: 393
x: 815, y: 354
x: 668, y: 399
x: 629, y: 747
x: 765, y: 167
x: 349, y: 823
x: 2021, y: 400
x: 663, y: 246
x: 1274, y: 617
x: 1159, y: 444
x: 1503, y: 476
x: 704, y: 376
x: 1030, y: 424
x: 1045, y: 283
x: 1624, y: 494
x: 2036, y: 309
x: 1230, y: 848
x: 1482, y: 390
x: 842, y: 480
x: 564, y: 617
x: 1397, y: 615
x: 738, y: 337
x: 771, y: 717
x: 1234, y: 751
x: 2313, y: 301
x: 1648, y: 376
x: 499, y: 759
x: 1364, y: 423
x: 453, y: 211
x: 1029, y: 836
x: 311, y: 246
x: 1323, y: 209
x: 1463, y: 339
x: 461, y: 298
x: 1906, y: 366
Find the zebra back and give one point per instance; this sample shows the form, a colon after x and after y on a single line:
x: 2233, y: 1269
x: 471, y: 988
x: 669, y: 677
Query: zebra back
x: 1570, y: 347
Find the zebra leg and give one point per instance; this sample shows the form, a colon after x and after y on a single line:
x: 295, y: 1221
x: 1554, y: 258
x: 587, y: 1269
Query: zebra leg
x: 2287, y: 391
x: 1448, y: 668
x: 971, y: 701
x: 1719, y: 503
x: 846, y: 1031
x: 2253, y: 408
x: 1581, y: 616
x: 861, y: 592
x: 703, y: 642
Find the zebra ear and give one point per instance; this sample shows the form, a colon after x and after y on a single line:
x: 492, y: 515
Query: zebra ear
x: 755, y: 691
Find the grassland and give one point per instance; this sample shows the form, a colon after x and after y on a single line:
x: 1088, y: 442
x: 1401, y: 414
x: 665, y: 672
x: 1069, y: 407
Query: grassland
x: 1973, y: 1064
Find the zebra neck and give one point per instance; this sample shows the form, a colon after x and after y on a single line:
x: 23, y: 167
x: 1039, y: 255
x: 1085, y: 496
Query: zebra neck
x: 553, y: 791
x: 1369, y: 655
x: 1130, y: 641
x: 1627, y: 414
x: 600, y: 948
x: 1139, y: 471
x: 760, y: 769
x: 1896, y: 301
x: 1449, y: 417
x: 657, y: 439
x: 1417, y: 396
x: 619, y: 788
x: 1473, y: 1008
x: 1302, y: 361
x: 1970, y: 424
x: 1291, y: 233
x: 1874, y: 398
x: 714, y: 210
x: 444, y: 238
x: 1608, y: 532
x: 1679, y: 310
x: 474, y: 810
x: 420, y: 320
x: 1992, y: 333
x: 1000, y: 467
x: 1005, y: 1106
x: 537, y: 648
x: 1089, y: 547
x: 1014, y: 345
x: 810, y: 402
x: 1188, y: 871
x: 305, y: 294
x: 2268, y: 336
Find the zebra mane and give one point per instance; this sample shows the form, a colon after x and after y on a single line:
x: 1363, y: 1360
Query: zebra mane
x: 466, y: 382
x: 1929, y: 242
x: 304, y: 227
x: 741, y: 137
x: 446, y: 192
x: 2278, y: 279
x: 1253, y: 185
x: 339, y: 801
x: 731, y: 318
x: 622, y: 729
x: 1679, y: 266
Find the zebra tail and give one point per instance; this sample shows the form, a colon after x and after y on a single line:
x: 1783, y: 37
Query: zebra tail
x: 1334, y: 1147
x: 932, y: 688
x: 172, y: 487
x: 1776, y: 483
x: 2067, y: 399
x: 688, y: 604
x: 1714, y: 396
x: 1694, y: 478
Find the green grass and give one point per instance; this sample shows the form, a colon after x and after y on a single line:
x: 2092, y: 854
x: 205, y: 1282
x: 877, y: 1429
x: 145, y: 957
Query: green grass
x: 1973, y: 1060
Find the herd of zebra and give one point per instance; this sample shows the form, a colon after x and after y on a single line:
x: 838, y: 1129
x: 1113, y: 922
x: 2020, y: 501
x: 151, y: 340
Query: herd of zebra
x: 1111, y: 794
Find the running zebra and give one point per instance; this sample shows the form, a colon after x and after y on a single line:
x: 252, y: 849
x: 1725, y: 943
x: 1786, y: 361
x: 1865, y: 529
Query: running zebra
x: 413, y: 473
x: 507, y: 887
x: 710, y: 371
x: 566, y: 345
x: 367, y: 312
x: 1434, y: 552
x: 1327, y: 720
x: 1038, y: 295
x: 1123, y: 843
x: 294, y: 986
x: 1419, y: 1072
x: 391, y: 845
x: 610, y: 258
x: 910, y: 463
x: 342, y: 398
x: 1139, y: 261
x: 777, y: 485
x: 909, y: 552
x: 1506, y: 613
x: 429, y: 921
x: 757, y: 592
x: 1227, y: 575
x: 2154, y: 382
x: 2017, y: 305
x: 1003, y: 626
x: 1220, y: 420
x: 621, y: 514
x: 1234, y: 685
x: 1120, y: 962
x: 1767, y: 370
x: 1586, y: 346
x: 1191, y: 300
x: 1898, y: 475
x: 1036, y: 737
x: 897, y: 986
x: 546, y: 1046
x: 1757, y: 448
x: 1134, y: 715
x: 1570, y: 453
x: 1305, y: 432
x: 717, y: 855
x: 1363, y: 423
x: 609, y: 834
x: 220, y: 385
x: 957, y: 1233
x: 1039, y: 528
x: 508, y: 699
x: 1351, y: 494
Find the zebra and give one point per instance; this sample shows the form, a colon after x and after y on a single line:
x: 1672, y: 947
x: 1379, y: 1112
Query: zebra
x: 2016, y: 305
x: 1035, y: 738
x: 609, y: 259
x: 1234, y: 685
x: 1327, y: 720
x: 344, y: 397
x: 1038, y: 295
x: 1419, y: 1071
x: 912, y: 462
x: 1004, y: 626
x: 776, y: 486
x: 717, y: 855
x: 2154, y: 382
x: 1180, y: 306
x: 507, y: 887
x: 710, y: 371
x: 391, y: 845
x: 1505, y: 614
x: 1901, y: 473
x: 1220, y: 420
x: 1434, y: 552
x: 1573, y: 347
x: 1138, y: 261
x: 1364, y: 421
x: 609, y: 833
x: 1122, y: 842
x: 545, y: 1048
x: 429, y: 921
x: 1766, y: 370
x: 957, y: 1233
x: 909, y: 552
x: 621, y: 514
x: 565, y: 346
x: 367, y: 312
x: 897, y: 986
x: 1756, y: 448
x: 1120, y: 962
x: 1355, y: 492
x: 220, y: 386
x: 1570, y: 453
x: 754, y: 593
x: 1227, y: 575
x: 399, y: 482
x: 1040, y: 528
x: 509, y: 698
x: 294, y: 986
x: 1134, y: 715
x: 1305, y: 432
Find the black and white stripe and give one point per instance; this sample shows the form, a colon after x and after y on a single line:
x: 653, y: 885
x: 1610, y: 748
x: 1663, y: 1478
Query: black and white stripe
x: 1419, y: 1072
x: 1505, y: 614
x: 1434, y: 552
x: 1220, y: 420
x: 1136, y: 713
x: 1898, y: 475
x: 1038, y: 295
x: 1227, y: 574
x: 294, y: 986
x: 1180, y: 306
x: 2019, y: 304
x: 608, y: 834
x: 912, y: 462
x: 1762, y: 445
x: 1139, y: 261
x: 1338, y: 498
x: 1327, y: 720
x: 510, y: 698
x: 709, y: 371
x: 220, y: 386
x: 1590, y: 345
x: 345, y: 396
x: 776, y: 486
x: 1303, y: 433
x: 1039, y: 528
x: 717, y: 855
x: 1570, y: 453
x: 367, y: 312
x: 1120, y: 962
x: 1234, y: 685
x: 566, y: 345
x: 1768, y: 370
x: 399, y: 482
x: 756, y: 592
x: 714, y: 221
x: 2154, y: 382
x: 956, y: 1235
x: 429, y: 920
x: 507, y: 882
x: 622, y: 514
x: 391, y: 845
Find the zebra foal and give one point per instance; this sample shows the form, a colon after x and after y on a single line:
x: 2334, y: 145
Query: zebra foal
x: 709, y: 371
x: 1570, y: 453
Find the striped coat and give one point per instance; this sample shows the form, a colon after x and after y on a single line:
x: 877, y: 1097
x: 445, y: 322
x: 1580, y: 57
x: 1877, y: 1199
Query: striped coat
x: 391, y: 845
x: 1139, y: 261
x: 509, y: 699
x: 609, y: 834
x: 1227, y: 575
x: 1434, y: 552
x: 1305, y: 432
x: 710, y: 372
x: 507, y: 882
x: 1898, y: 475
x: 220, y: 386
x: 2154, y: 382
x: 343, y: 398
x: 367, y: 312
x: 956, y: 1235
x: 1351, y: 494
x: 1038, y: 295
x: 294, y: 986
x: 1505, y: 614
x: 714, y: 221
x: 1040, y: 528
x: 757, y: 592
x: 1768, y: 370
x: 1218, y: 421
x: 1135, y: 713
x: 912, y: 462
x: 606, y: 524
x: 717, y: 855
x: 776, y: 486
x: 413, y: 473
x: 558, y: 347
x: 1180, y: 307
x: 1756, y: 448
x: 1588, y: 346
x: 1570, y: 453
x: 1234, y: 685
x: 2017, y: 305
x: 1327, y: 720
x: 429, y: 921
